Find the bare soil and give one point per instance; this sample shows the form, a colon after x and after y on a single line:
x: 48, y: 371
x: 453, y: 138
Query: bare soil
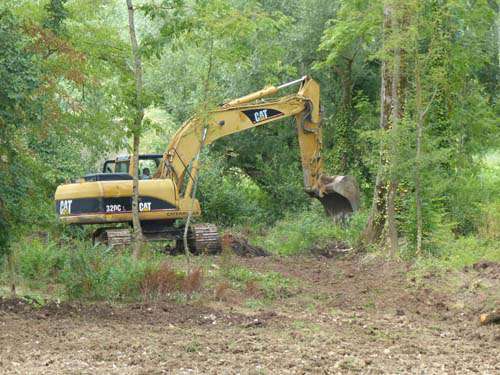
x: 350, y: 314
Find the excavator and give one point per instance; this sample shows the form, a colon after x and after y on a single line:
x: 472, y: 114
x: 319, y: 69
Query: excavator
x: 167, y: 198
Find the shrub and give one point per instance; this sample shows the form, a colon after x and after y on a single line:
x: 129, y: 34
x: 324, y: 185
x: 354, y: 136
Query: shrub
x: 192, y: 281
x: 39, y: 262
x: 229, y: 197
x: 456, y: 253
x: 98, y: 273
x: 160, y: 281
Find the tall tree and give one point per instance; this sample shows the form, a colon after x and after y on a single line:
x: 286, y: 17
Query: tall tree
x: 136, y: 129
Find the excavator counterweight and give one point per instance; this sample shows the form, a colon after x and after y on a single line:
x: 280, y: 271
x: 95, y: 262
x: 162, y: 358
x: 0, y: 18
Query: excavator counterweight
x: 168, y: 196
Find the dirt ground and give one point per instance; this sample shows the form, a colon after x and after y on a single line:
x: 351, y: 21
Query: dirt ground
x: 355, y: 314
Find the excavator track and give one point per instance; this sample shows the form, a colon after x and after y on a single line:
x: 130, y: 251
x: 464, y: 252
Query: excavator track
x: 203, y: 239
x: 112, y: 236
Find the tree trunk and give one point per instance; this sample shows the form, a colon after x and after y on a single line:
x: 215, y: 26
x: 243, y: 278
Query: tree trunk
x: 381, y: 227
x: 392, y: 232
x: 136, y: 130
x: 418, y: 155
x: 372, y: 234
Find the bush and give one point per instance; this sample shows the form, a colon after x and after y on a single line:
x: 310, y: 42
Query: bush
x: 39, y: 262
x: 231, y: 198
x: 98, y: 273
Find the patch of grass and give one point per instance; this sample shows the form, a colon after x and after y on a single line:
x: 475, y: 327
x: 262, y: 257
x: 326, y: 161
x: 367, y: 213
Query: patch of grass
x: 78, y: 270
x: 254, y: 303
x: 97, y: 273
x: 297, y: 233
x: 460, y: 252
x: 272, y: 285
x: 193, y: 347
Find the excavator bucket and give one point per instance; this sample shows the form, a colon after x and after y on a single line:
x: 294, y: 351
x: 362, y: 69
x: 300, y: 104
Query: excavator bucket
x: 340, y: 196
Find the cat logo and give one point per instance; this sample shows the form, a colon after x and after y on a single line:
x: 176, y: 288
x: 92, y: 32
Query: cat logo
x: 65, y: 207
x: 260, y: 115
x: 144, y: 206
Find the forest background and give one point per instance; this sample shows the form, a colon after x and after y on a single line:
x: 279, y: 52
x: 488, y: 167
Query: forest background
x: 409, y: 91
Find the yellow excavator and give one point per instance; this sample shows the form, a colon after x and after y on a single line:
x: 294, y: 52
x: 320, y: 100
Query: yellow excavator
x: 166, y: 197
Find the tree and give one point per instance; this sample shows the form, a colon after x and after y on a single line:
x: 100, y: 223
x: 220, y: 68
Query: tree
x: 136, y: 129
x: 346, y: 45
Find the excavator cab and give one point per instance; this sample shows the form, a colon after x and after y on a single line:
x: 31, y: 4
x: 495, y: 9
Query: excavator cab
x: 121, y: 164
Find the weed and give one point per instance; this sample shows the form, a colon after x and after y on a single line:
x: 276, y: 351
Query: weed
x: 158, y: 282
x: 458, y: 253
x: 192, y: 282
x: 272, y: 285
x: 254, y: 303
x: 38, y: 262
x: 252, y: 288
x: 220, y: 290
x: 193, y: 347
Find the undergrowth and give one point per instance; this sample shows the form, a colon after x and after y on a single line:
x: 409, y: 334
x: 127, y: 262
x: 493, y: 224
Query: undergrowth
x: 271, y: 285
x: 457, y: 253
x: 298, y: 233
x: 78, y: 270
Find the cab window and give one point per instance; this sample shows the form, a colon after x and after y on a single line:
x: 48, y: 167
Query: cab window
x: 147, y: 168
x: 122, y: 166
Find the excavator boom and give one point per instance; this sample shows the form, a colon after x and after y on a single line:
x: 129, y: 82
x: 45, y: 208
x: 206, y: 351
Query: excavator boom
x: 251, y: 111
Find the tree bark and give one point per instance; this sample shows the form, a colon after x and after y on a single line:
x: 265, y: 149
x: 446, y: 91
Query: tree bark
x: 372, y: 234
x: 418, y: 156
x: 344, y: 122
x: 392, y: 232
x: 381, y: 227
x: 136, y: 130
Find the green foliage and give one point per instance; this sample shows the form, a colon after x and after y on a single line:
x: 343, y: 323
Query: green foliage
x: 96, y: 273
x: 460, y: 252
x: 56, y: 14
x: 298, y: 233
x: 66, y: 96
x: 83, y: 271
x: 230, y: 198
x: 40, y: 262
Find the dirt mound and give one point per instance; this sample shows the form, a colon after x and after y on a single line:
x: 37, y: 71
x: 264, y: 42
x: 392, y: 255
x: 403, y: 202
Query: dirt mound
x: 241, y: 247
x: 331, y: 249
x: 149, y: 313
x: 488, y: 268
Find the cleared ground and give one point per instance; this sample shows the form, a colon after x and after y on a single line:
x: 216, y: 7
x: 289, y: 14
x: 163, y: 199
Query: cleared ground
x: 341, y: 315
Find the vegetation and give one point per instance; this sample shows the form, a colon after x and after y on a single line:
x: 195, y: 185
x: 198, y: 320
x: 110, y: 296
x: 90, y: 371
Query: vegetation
x: 409, y: 90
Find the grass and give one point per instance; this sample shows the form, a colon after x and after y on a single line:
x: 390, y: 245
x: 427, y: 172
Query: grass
x: 79, y: 271
x: 298, y: 233
x: 457, y: 253
x: 272, y: 285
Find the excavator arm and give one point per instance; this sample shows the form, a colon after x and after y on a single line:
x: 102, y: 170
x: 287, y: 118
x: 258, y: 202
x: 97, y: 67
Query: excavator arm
x: 338, y: 194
